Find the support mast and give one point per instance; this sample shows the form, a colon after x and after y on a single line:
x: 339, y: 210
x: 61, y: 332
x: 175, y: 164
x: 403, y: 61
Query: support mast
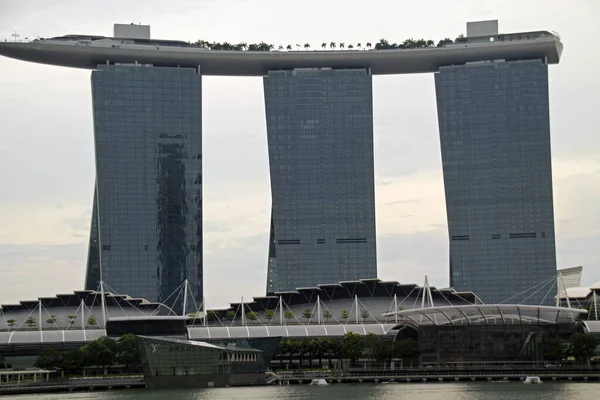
x: 185, y: 293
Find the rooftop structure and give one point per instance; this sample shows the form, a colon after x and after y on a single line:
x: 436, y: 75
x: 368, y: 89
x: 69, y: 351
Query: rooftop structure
x: 88, y: 51
x: 489, y: 314
x: 580, y: 292
x: 570, y: 277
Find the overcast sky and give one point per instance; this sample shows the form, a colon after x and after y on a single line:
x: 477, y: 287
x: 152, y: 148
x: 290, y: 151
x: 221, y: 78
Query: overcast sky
x: 47, y: 154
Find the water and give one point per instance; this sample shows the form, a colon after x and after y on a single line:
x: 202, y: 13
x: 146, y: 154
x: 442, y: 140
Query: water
x: 433, y: 391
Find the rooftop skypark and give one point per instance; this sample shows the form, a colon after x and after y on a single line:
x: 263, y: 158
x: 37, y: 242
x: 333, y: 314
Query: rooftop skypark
x: 383, y: 44
x: 134, y: 45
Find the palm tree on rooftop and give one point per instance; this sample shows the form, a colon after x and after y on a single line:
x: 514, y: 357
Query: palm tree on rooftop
x: 297, y: 46
x: 359, y: 45
x: 368, y: 45
x: 350, y: 46
x: 289, y: 47
x: 332, y: 45
x: 324, y: 45
x: 306, y: 46
x: 342, y: 45
x: 280, y: 48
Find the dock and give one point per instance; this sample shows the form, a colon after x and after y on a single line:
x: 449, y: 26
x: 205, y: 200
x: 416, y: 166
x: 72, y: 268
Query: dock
x: 580, y: 375
x: 74, y: 385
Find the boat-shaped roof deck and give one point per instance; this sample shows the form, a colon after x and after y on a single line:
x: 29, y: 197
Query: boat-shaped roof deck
x: 81, y: 51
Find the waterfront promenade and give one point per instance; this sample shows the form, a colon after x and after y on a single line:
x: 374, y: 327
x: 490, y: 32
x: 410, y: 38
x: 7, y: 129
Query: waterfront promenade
x: 440, y: 375
x: 74, y: 385
x: 423, y: 375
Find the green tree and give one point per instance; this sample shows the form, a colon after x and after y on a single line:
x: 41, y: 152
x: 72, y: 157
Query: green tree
x: 11, y: 322
x: 51, y: 320
x: 321, y: 346
x: 336, y: 349
x: 230, y: 314
x: 350, y: 46
x: 359, y: 45
x: 128, y: 352
x: 48, y: 359
x: 444, y: 42
x: 306, y: 46
x: 302, y: 348
x: 269, y: 314
x: 307, y: 314
x: 342, y: 45
x: 345, y: 315
x: 92, y: 320
x: 378, y: 349
x: 324, y: 45
x: 364, y: 315
x: 332, y: 45
x: 252, y: 316
x: 212, y: 315
x: 372, y: 346
x: 100, y: 353
x: 287, y: 347
x: 555, y: 349
x: 368, y: 45
x: 288, y: 315
x: 327, y: 315
x: 583, y: 347
x: 289, y: 47
x: 195, y: 315
x: 30, y: 322
x: 407, y: 349
x: 352, y: 346
x: 312, y: 347
x: 329, y: 347
x: 72, y: 360
x: 383, y: 44
x: 72, y: 319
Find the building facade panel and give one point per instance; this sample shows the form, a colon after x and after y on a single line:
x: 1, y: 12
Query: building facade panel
x: 148, y: 143
x: 495, y: 141
x: 320, y: 140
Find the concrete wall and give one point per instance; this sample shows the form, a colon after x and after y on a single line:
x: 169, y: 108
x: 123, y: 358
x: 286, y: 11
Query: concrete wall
x: 130, y: 31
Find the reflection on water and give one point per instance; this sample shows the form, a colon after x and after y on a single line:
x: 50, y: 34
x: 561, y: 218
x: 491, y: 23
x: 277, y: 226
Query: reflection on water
x: 429, y: 391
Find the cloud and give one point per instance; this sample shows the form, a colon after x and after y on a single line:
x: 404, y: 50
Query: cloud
x: 31, y: 271
x: 408, y: 257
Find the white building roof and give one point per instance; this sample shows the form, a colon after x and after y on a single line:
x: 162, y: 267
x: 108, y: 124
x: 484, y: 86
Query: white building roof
x: 486, y: 314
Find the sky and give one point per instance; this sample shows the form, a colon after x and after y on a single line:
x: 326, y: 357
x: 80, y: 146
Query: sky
x: 47, y: 150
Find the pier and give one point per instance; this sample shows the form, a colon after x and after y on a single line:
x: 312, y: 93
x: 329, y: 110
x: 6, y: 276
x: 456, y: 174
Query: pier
x: 429, y: 376
x: 73, y: 385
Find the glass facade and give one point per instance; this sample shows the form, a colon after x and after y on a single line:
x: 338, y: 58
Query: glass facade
x: 495, y: 141
x: 320, y: 140
x: 491, y: 343
x: 177, y: 363
x: 147, y: 217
